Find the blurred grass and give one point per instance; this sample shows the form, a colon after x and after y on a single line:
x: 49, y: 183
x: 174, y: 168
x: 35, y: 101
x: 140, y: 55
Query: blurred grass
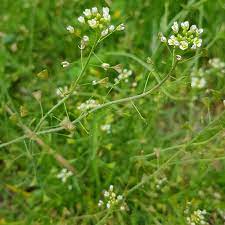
x: 33, y: 38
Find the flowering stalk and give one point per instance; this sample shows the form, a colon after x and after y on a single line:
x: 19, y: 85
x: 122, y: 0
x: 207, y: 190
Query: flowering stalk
x: 72, y: 88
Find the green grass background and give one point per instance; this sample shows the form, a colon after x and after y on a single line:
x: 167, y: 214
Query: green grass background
x: 191, y: 123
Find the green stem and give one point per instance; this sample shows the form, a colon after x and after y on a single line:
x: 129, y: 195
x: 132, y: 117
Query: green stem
x: 72, y: 88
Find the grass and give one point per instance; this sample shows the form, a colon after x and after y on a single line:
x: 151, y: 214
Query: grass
x: 166, y: 145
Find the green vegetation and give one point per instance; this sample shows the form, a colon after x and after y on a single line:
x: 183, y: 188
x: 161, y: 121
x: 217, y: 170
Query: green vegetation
x: 125, y: 108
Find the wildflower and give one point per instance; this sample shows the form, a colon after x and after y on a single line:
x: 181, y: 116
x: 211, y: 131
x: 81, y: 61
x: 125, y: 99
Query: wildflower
x: 224, y: 102
x: 87, y: 12
x: 81, y: 19
x: 84, y: 42
x: 94, y: 10
x: 62, y: 91
x: 185, y: 25
x: 70, y: 29
x: 163, y: 39
x: 85, y: 38
x: 105, y: 32
x: 100, y: 203
x: 197, y: 82
x: 124, y: 75
x: 89, y: 104
x: 175, y: 27
x: 183, y: 45
x: 105, y: 66
x: 112, y: 200
x: 100, y: 20
x: 108, y: 205
x: 92, y: 23
x: 217, y: 64
x: 111, y: 28
x: 193, y: 28
x: 197, y: 217
x: 64, y: 175
x: 106, y: 15
x: 187, y: 36
x: 134, y: 84
x: 199, y: 31
x: 160, y: 182
x: 178, y: 57
x: 105, y: 11
x: 121, y: 27
x: 106, y: 128
x: 94, y: 82
x: 65, y: 64
x: 173, y: 41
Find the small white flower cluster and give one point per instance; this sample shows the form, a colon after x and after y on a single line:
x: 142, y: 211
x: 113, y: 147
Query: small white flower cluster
x: 217, y: 64
x: 124, y: 75
x: 65, y: 64
x: 106, y: 128
x: 62, y: 91
x: 64, y: 175
x: 197, y: 217
x: 99, y: 20
x: 105, y: 66
x: 89, y: 104
x: 184, y: 37
x: 84, y: 41
x: 160, y: 182
x: 111, y: 200
x: 70, y: 29
x: 197, y: 79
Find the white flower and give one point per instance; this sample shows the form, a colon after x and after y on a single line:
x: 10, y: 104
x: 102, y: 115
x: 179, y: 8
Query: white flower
x: 199, y: 31
x: 111, y: 187
x: 111, y: 28
x: 64, y: 175
x: 81, y: 19
x: 92, y: 23
x: 70, y: 29
x: 183, y: 45
x: 94, y: 10
x: 89, y: 104
x: 106, y: 128
x: 85, y: 38
x: 224, y: 102
x: 121, y: 27
x: 202, y: 83
x: 198, y: 82
x: 105, y: 66
x: 178, y: 57
x: 163, y: 39
x: 106, y: 193
x: 105, y: 32
x: 185, y: 25
x: 108, y: 205
x: 105, y: 11
x: 193, y: 28
x: 173, y: 41
x: 197, y: 42
x: 65, y: 64
x: 193, y: 47
x: 87, y: 12
x: 100, y: 203
x: 112, y: 200
x: 175, y: 27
